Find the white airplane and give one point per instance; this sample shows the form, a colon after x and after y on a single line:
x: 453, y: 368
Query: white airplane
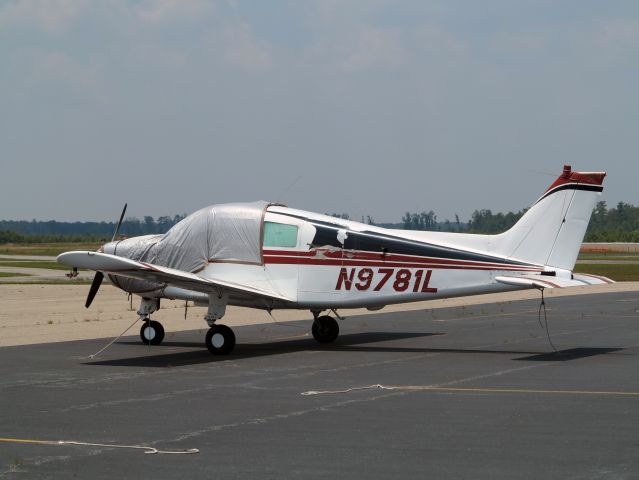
x: 269, y: 256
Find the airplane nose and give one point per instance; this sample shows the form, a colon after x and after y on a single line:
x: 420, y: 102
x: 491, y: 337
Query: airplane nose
x: 109, y: 248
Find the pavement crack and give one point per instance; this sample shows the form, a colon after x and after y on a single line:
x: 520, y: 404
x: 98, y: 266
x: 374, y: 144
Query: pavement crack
x: 280, y: 416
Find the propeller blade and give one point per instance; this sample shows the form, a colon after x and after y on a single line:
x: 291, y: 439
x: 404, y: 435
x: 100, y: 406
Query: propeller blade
x: 99, y: 276
x: 95, y: 286
x: 117, y: 228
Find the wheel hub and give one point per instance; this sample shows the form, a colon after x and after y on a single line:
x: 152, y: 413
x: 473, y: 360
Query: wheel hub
x: 217, y: 340
x: 149, y: 333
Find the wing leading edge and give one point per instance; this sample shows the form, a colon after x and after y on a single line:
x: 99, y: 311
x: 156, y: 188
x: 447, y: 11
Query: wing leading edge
x: 104, y: 262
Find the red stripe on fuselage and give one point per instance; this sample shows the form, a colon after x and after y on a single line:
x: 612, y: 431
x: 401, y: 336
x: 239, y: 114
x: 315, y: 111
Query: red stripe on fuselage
x: 367, y: 259
x: 352, y: 255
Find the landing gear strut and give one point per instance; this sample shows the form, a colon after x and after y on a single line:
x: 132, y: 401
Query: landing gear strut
x: 325, y: 329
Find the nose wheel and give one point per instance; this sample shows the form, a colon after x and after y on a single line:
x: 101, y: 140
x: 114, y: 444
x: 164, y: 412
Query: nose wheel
x: 325, y: 329
x: 220, y: 340
x: 152, y: 332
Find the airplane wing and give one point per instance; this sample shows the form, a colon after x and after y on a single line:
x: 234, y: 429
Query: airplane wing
x: 547, y: 281
x: 125, y: 267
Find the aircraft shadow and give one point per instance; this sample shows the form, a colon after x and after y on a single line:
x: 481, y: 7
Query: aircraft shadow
x: 569, y: 354
x: 248, y: 350
x: 358, y: 342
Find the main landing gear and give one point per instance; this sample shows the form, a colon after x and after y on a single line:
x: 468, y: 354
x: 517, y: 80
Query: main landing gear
x: 220, y: 340
x: 325, y: 328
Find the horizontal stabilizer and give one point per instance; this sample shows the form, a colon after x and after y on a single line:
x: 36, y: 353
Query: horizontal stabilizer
x: 112, y: 264
x: 547, y: 281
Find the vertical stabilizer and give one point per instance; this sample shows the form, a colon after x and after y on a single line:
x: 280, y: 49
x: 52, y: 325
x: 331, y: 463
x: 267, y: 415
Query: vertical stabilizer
x: 551, y: 231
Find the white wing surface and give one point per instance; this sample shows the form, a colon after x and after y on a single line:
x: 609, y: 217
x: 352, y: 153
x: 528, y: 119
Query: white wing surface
x: 125, y: 267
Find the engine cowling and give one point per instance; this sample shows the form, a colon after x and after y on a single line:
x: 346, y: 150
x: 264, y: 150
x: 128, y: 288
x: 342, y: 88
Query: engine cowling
x: 136, y: 248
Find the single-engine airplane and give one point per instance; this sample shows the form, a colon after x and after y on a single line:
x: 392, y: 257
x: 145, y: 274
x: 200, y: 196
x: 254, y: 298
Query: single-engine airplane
x: 269, y: 256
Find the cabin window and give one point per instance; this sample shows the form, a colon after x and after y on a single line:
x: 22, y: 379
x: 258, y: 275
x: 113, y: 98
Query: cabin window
x: 280, y: 235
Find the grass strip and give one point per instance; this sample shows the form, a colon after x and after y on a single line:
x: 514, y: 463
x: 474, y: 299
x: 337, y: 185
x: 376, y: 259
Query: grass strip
x: 50, y: 265
x: 38, y: 281
x: 12, y: 274
x: 617, y: 272
x: 608, y: 256
x: 48, y: 249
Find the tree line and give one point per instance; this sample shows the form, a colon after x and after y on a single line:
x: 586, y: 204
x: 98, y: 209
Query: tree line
x: 22, y: 231
x: 616, y: 224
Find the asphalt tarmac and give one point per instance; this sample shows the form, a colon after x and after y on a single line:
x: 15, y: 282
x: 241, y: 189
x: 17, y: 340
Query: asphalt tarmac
x: 477, y: 393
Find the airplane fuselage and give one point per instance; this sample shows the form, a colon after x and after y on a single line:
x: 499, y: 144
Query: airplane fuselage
x: 323, y: 262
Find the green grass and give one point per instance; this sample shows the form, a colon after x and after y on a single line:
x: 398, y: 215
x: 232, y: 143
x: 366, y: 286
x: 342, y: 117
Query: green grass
x: 621, y: 259
x: 619, y: 273
x: 51, y: 265
x: 37, y: 281
x: 608, y: 256
x: 12, y: 274
x: 49, y: 249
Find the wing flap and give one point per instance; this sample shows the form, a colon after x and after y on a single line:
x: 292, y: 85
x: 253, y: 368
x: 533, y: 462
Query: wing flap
x: 103, y: 262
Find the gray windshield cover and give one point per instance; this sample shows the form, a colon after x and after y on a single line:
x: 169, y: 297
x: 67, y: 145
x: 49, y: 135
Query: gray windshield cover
x: 218, y: 233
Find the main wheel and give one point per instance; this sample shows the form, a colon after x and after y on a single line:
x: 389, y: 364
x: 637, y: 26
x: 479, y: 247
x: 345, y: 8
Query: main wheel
x: 325, y: 329
x: 220, y: 340
x: 152, y: 333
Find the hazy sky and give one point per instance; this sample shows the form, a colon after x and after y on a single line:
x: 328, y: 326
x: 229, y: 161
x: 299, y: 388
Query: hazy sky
x: 364, y: 106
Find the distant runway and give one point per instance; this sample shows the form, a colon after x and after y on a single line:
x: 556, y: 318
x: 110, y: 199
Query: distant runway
x: 464, y: 392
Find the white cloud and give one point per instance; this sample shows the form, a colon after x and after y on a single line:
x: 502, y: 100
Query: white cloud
x: 243, y: 50
x: 374, y: 48
x: 520, y: 43
x: 58, y: 70
x: 155, y: 54
x: 436, y: 40
x: 50, y: 15
x: 619, y: 33
x: 362, y: 47
x: 160, y: 12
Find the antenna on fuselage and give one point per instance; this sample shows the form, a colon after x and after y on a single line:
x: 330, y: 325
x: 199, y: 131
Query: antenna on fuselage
x: 287, y: 189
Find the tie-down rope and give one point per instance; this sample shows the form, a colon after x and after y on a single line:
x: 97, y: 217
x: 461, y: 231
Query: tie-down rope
x: 151, y: 450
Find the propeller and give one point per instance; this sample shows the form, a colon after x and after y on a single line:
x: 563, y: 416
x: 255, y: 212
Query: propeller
x: 99, y: 276
x: 95, y: 285
x: 117, y: 228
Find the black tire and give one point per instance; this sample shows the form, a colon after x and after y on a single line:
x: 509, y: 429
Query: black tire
x: 325, y: 329
x: 220, y: 340
x: 152, y: 333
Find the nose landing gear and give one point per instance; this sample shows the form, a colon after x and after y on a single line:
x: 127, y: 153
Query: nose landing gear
x: 152, y: 332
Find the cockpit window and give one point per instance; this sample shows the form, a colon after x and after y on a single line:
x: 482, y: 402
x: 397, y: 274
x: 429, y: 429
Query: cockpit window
x: 280, y: 235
